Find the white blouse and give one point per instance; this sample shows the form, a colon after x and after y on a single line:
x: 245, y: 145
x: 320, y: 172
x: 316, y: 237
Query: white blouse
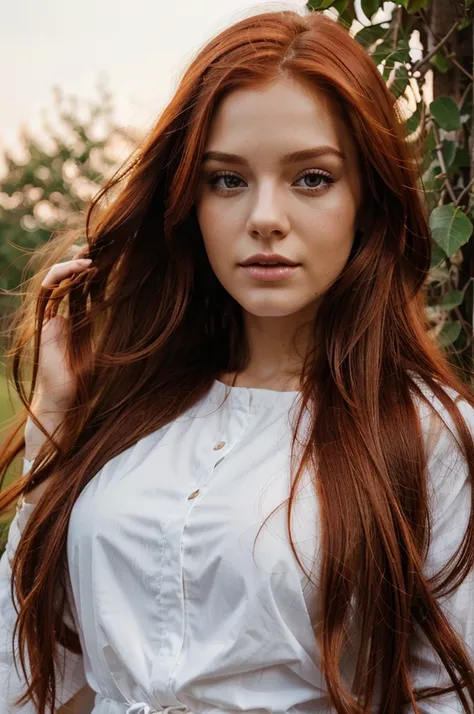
x: 174, y: 611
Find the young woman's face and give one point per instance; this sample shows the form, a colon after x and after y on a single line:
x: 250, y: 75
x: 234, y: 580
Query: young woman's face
x: 292, y: 219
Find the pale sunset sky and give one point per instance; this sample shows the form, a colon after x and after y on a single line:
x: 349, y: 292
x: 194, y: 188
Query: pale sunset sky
x: 140, y: 46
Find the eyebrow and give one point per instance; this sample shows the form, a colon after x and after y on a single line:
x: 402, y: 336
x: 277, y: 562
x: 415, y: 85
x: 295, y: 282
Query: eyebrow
x: 292, y: 158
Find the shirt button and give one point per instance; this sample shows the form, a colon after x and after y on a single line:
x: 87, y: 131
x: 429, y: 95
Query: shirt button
x: 220, y: 445
x: 193, y: 494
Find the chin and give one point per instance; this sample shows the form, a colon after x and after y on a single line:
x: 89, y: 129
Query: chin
x: 271, y: 310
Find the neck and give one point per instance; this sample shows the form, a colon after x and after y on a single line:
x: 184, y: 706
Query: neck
x: 277, y: 349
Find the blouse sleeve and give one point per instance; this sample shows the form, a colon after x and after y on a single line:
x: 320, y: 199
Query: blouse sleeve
x: 450, y: 494
x: 70, y: 675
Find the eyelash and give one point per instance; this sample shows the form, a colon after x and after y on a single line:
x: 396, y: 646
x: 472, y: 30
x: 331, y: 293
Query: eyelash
x: 220, y: 189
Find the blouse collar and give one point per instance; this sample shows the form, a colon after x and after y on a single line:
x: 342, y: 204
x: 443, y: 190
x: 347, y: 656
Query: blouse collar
x: 250, y: 396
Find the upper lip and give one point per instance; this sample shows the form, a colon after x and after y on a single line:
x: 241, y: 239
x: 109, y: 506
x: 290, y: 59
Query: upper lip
x: 268, y: 258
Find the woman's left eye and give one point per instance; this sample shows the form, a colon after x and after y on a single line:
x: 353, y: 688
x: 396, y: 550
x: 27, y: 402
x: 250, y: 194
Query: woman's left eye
x: 317, y: 180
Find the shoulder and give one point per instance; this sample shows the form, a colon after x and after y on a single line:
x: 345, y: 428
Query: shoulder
x: 449, y: 480
x: 438, y: 425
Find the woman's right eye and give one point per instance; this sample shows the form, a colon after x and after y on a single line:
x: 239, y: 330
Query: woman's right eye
x: 230, y: 181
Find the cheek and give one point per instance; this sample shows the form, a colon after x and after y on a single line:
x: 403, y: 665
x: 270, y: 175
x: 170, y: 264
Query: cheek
x: 214, y: 238
x: 218, y: 229
x: 329, y: 246
x: 334, y: 220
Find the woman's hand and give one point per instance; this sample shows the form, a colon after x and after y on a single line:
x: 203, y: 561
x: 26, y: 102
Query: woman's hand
x: 56, y: 384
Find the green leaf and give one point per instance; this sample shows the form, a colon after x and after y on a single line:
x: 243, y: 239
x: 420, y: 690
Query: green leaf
x: 319, y: 4
x: 430, y: 142
x: 368, y: 35
x: 413, y: 122
x: 437, y: 255
x: 450, y: 228
x: 412, y: 6
x: 449, y: 333
x: 401, y: 81
x: 385, y: 51
x: 452, y: 299
x: 440, y: 62
x: 370, y: 7
x: 449, y: 152
x: 381, y: 52
x: 340, y: 6
x: 446, y: 113
x: 462, y: 160
x: 430, y: 181
x: 348, y: 15
x: 401, y: 54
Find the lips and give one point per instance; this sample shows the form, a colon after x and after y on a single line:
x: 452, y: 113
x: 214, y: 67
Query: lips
x: 260, y: 262
x: 261, y: 259
x: 269, y: 272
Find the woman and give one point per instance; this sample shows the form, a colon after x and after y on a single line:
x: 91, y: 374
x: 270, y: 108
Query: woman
x: 258, y: 462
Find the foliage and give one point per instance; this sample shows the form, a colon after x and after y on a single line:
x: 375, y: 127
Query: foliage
x: 50, y: 186
x: 423, y: 48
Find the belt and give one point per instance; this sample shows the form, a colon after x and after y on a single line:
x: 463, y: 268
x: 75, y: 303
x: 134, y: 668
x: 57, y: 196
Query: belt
x: 144, y: 708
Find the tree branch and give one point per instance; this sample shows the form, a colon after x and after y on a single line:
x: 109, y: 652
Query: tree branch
x: 435, y: 49
x: 397, y: 26
x: 464, y: 191
x: 463, y: 98
x: 442, y: 163
x: 451, y: 56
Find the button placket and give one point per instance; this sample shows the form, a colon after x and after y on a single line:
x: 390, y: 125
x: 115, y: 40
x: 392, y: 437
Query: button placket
x: 218, y: 447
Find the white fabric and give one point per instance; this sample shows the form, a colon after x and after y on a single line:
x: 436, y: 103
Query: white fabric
x: 11, y: 678
x: 174, y: 613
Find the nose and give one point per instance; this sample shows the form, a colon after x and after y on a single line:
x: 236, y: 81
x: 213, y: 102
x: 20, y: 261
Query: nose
x: 268, y: 217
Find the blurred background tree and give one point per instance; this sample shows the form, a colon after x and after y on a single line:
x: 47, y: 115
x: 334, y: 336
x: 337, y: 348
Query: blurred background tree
x: 50, y: 186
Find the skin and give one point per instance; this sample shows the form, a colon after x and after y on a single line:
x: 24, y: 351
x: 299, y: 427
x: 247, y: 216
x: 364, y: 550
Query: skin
x: 265, y: 205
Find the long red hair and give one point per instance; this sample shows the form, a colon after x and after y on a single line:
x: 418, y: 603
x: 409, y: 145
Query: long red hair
x: 150, y: 328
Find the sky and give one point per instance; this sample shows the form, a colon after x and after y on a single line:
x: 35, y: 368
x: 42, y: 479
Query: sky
x: 140, y: 46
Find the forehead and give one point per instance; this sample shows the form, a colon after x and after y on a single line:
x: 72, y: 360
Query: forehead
x: 285, y: 113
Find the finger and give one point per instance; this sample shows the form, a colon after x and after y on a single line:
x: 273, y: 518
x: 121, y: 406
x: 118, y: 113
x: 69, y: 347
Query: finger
x: 61, y: 271
x: 78, y: 251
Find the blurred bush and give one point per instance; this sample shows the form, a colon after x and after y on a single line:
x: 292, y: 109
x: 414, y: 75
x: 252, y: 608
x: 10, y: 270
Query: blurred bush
x: 49, y: 187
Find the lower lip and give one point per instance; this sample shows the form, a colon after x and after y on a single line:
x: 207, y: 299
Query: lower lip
x: 270, y: 272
